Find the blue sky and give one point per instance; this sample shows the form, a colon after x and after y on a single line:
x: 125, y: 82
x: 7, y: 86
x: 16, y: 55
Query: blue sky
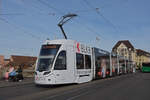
x: 26, y: 24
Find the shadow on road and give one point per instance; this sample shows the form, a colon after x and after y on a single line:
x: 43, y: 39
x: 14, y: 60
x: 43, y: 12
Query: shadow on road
x: 54, y: 86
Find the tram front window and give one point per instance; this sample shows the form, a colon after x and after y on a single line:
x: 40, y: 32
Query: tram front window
x: 47, y: 55
x: 44, y: 64
x: 61, y: 61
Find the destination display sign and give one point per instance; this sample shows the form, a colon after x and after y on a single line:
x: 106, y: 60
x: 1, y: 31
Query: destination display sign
x: 49, y: 46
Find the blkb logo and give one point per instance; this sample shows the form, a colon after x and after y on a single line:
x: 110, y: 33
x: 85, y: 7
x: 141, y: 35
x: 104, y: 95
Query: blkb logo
x: 83, y: 49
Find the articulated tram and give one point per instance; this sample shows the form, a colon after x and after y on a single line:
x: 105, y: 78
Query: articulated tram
x: 68, y: 61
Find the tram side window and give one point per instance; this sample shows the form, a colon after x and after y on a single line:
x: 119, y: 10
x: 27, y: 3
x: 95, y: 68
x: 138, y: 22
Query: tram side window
x: 108, y: 62
x: 61, y: 61
x: 87, y: 62
x: 79, y: 61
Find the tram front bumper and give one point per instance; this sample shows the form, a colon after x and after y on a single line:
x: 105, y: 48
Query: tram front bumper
x: 43, y: 80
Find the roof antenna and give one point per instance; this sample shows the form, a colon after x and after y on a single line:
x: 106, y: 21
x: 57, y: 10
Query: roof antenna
x: 65, y: 18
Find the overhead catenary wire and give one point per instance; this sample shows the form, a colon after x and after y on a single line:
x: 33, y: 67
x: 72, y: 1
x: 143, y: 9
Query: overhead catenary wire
x: 100, y: 14
x: 1, y: 14
x: 23, y: 1
x: 51, y: 7
x: 84, y: 11
x: 16, y: 27
x: 15, y: 50
x: 92, y: 31
x: 40, y: 13
x: 39, y: 8
x: 61, y: 13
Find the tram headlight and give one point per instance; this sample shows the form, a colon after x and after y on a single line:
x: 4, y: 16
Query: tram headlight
x: 45, y: 73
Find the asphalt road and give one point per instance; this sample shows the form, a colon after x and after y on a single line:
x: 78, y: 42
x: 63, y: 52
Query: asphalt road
x: 125, y: 87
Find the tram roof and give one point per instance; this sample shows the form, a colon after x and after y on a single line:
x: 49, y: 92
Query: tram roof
x: 101, y: 50
x: 60, y: 41
x: 63, y: 41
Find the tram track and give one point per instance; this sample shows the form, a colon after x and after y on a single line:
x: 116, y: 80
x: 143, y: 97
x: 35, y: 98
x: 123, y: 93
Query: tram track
x: 50, y: 93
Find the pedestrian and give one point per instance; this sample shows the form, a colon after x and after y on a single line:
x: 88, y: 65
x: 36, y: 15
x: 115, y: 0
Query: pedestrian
x: 7, y: 75
x: 103, y: 65
x: 19, y: 74
x: 11, y: 69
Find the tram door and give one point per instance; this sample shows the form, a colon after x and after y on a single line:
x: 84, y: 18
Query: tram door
x: 64, y: 66
x: 70, y: 76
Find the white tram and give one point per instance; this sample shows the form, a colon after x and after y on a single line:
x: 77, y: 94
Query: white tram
x: 64, y: 61
x: 67, y: 61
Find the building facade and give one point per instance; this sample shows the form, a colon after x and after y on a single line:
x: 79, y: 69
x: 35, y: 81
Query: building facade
x: 127, y: 50
x: 142, y: 57
x: 1, y: 61
x: 6, y: 61
x: 23, y: 61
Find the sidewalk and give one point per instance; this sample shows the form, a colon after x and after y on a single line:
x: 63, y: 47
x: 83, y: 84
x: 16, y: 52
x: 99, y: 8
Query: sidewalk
x: 4, y: 83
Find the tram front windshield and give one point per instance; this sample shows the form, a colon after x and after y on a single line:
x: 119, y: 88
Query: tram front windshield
x: 47, y: 55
